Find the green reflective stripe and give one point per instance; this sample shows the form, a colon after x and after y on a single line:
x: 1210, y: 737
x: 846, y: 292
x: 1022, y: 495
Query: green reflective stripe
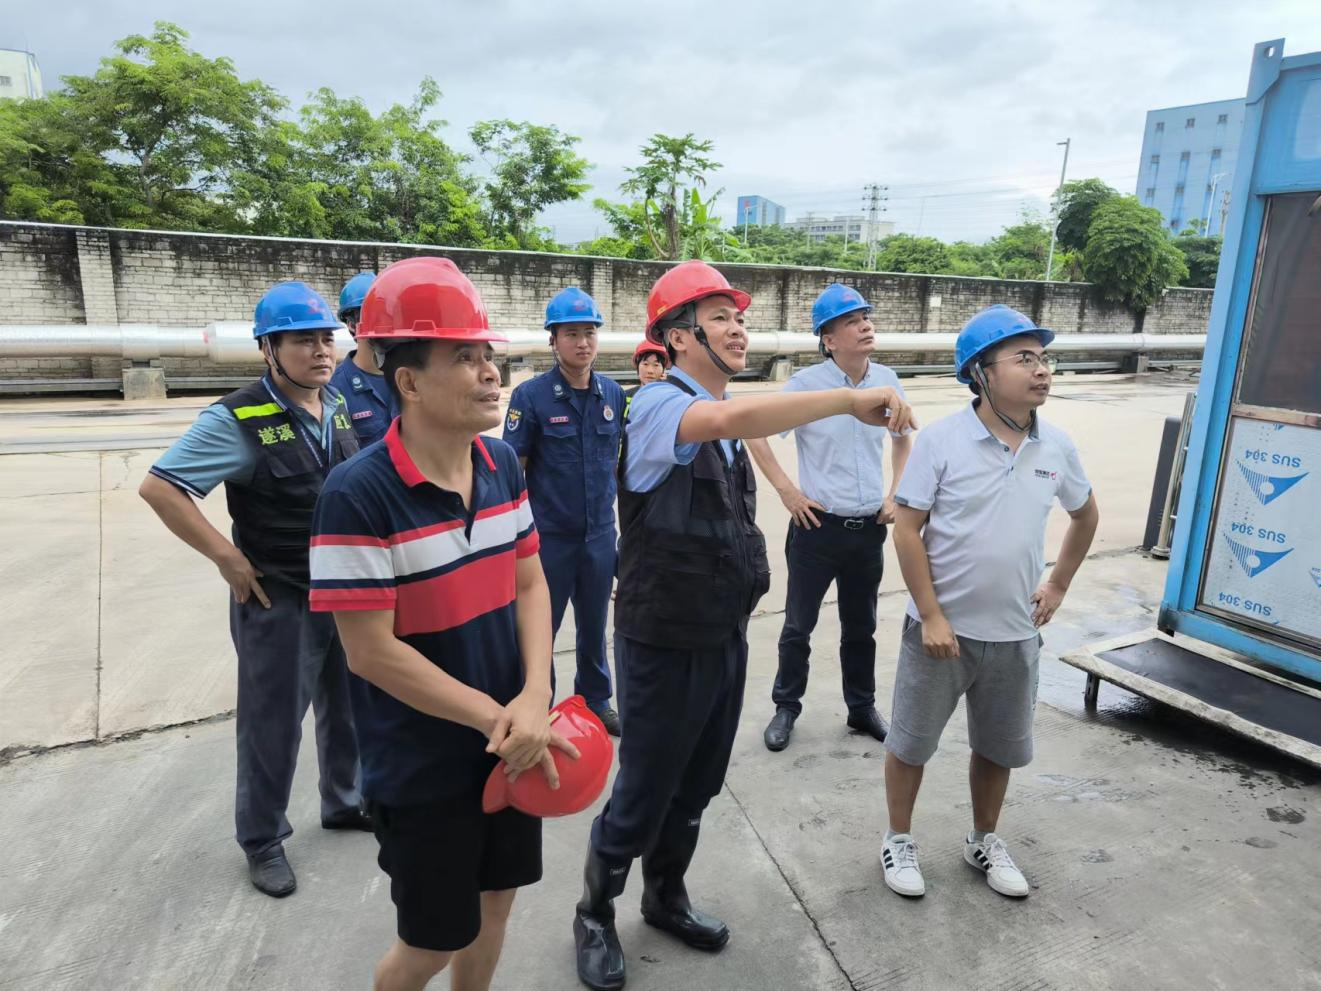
x: 266, y: 409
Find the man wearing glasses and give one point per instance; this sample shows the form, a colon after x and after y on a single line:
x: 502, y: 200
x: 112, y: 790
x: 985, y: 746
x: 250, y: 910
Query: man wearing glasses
x: 970, y: 536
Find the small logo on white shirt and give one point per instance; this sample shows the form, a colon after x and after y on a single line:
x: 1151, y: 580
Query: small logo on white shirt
x: 1050, y: 475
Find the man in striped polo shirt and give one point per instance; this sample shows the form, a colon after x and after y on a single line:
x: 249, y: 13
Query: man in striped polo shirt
x: 425, y: 550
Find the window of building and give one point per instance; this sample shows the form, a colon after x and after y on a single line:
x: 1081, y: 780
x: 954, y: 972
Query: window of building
x: 1215, y: 154
x: 1160, y: 127
x: 6, y: 81
x: 1190, y: 122
x: 1185, y: 156
x: 1155, y: 159
x: 1223, y: 119
x: 1178, y: 190
x: 1151, y: 193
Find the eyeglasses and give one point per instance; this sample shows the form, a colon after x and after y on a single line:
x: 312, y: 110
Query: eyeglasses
x: 1029, y: 360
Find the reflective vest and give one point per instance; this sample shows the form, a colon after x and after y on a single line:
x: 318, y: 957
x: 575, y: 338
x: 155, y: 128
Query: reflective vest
x: 272, y: 513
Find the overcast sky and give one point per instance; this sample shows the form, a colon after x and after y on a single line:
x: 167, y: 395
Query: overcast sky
x: 956, y: 107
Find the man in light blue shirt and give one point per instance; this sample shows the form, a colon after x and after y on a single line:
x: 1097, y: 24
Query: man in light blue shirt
x: 839, y: 510
x: 692, y: 565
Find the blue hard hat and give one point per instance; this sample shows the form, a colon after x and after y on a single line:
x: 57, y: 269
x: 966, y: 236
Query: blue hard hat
x: 572, y: 305
x: 837, y: 300
x: 354, y: 292
x: 987, y: 329
x: 292, y: 306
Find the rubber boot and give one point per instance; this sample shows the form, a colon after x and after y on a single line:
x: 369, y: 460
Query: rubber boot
x: 600, y: 957
x: 665, y: 903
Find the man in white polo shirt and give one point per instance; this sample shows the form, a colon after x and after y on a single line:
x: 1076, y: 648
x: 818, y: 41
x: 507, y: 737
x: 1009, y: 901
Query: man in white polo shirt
x: 837, y: 518
x: 970, y: 535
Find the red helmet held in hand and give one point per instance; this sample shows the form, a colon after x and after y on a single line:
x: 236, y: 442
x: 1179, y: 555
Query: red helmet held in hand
x: 581, y: 780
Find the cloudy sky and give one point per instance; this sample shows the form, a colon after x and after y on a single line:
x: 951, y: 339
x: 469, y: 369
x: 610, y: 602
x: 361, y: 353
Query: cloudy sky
x: 956, y: 107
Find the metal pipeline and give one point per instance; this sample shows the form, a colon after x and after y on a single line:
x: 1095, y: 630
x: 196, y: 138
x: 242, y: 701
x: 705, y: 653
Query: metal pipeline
x: 231, y: 343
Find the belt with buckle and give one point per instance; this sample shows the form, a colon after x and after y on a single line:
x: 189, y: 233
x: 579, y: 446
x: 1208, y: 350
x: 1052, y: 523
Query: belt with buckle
x: 849, y: 522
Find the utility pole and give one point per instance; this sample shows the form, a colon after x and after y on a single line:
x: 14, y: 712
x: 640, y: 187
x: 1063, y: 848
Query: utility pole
x: 1055, y: 207
x: 872, y: 200
x: 1224, y: 213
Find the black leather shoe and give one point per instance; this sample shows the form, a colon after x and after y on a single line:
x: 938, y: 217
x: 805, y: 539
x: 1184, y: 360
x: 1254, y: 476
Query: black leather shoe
x: 868, y: 721
x: 596, y: 944
x: 780, y: 729
x: 271, y: 874
x: 349, y: 819
x: 609, y: 718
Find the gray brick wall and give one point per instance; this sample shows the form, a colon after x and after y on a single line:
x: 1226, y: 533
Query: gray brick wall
x: 63, y: 275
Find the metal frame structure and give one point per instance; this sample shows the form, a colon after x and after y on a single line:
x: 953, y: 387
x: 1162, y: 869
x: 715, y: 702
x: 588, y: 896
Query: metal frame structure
x: 1280, y: 154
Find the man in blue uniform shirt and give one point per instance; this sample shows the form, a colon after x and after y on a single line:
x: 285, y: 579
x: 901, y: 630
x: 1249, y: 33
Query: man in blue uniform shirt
x: 692, y: 565
x: 358, y: 378
x: 272, y: 443
x: 565, y: 426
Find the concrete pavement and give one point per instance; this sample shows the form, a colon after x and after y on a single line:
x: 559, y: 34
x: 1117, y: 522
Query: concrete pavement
x: 1163, y: 853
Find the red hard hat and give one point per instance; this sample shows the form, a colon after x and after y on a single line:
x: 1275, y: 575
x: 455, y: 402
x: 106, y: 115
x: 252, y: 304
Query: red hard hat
x: 687, y: 283
x: 581, y: 780
x: 650, y: 347
x: 424, y: 298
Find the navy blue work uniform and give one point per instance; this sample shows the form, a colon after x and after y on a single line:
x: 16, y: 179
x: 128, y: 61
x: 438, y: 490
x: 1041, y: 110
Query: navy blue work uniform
x: 370, y: 403
x: 570, y: 438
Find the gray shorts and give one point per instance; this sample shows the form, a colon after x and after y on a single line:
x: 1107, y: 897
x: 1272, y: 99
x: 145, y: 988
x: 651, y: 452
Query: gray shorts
x: 1000, y: 681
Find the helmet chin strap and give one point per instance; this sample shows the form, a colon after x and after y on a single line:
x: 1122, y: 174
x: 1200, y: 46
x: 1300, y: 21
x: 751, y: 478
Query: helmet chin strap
x: 700, y: 334
x: 275, y: 360
x: 979, y: 374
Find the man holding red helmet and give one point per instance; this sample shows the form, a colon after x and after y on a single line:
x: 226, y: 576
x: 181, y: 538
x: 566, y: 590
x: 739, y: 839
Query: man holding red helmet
x: 425, y: 550
x: 692, y: 566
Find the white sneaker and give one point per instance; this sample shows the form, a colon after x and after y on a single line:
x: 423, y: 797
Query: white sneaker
x: 902, y: 874
x: 991, y: 858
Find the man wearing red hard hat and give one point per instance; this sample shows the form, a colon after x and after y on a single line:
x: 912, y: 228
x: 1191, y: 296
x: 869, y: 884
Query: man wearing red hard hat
x: 425, y: 550
x: 692, y: 565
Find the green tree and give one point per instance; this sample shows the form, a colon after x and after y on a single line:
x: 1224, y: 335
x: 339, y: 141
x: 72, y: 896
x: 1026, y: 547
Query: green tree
x: 966, y: 258
x: 1077, y: 202
x: 1019, y: 251
x: 344, y: 173
x: 908, y: 253
x: 669, y: 164
x: 532, y: 167
x: 47, y: 173
x: 1128, y: 255
x: 173, y: 126
x: 1202, y: 256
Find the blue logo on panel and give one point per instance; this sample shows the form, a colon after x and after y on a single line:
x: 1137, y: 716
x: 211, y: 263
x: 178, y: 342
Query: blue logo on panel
x: 1254, y: 562
x: 1268, y: 488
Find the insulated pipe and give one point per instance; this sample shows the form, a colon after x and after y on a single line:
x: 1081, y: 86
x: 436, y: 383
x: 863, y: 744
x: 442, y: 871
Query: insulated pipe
x: 231, y: 343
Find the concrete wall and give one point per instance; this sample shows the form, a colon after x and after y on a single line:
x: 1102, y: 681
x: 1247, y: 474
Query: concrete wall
x: 61, y: 275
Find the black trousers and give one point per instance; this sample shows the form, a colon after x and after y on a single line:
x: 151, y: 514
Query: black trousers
x: 680, y: 711
x: 853, y: 560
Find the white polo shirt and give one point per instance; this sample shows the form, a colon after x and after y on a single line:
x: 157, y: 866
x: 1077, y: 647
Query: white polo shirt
x: 986, y: 533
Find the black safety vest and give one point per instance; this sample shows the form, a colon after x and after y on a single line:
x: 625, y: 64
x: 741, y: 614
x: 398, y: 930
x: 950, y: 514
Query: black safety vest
x: 692, y: 562
x: 272, y: 513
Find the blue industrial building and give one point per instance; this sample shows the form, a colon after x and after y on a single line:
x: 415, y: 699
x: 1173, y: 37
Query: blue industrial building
x: 1187, y: 165
x: 758, y: 211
